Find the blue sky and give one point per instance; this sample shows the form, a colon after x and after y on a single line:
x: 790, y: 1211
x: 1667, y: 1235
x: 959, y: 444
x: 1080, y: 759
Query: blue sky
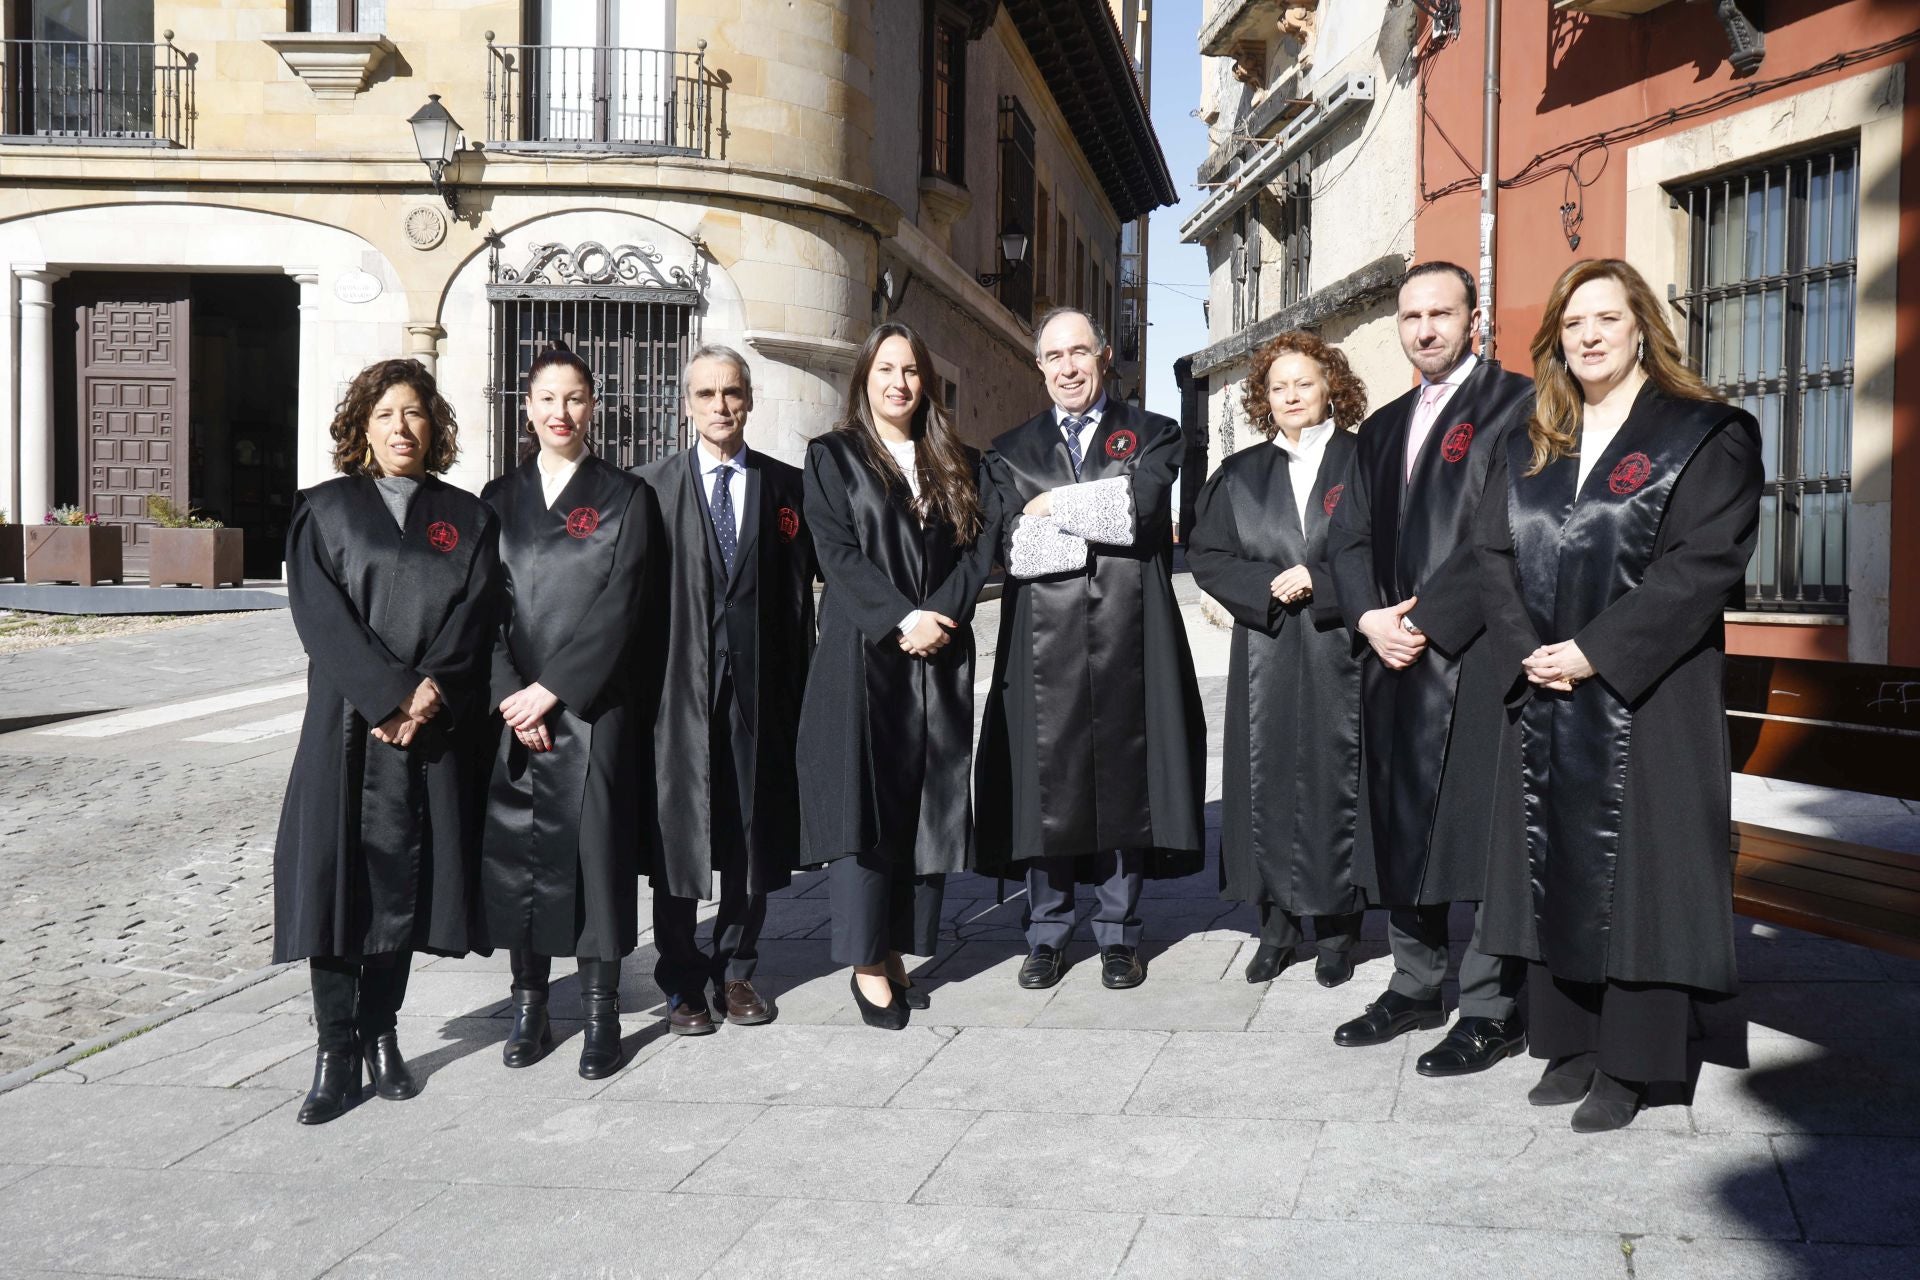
x: 1176, y: 273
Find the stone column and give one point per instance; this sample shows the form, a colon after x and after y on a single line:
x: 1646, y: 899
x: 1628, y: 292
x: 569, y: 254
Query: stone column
x: 313, y: 448
x: 36, y: 393
x: 423, y: 343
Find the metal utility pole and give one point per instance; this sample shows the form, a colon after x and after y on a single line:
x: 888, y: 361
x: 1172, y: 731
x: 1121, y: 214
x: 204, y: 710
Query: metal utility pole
x: 1489, y: 178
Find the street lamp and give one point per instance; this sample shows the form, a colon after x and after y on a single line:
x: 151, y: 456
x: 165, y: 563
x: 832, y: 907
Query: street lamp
x: 436, y: 135
x: 1013, y: 252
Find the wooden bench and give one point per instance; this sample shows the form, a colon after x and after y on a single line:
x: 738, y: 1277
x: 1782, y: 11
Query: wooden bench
x: 1844, y: 725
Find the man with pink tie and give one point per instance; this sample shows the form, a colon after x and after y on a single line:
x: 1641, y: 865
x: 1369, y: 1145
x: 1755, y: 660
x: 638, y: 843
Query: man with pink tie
x: 1401, y: 552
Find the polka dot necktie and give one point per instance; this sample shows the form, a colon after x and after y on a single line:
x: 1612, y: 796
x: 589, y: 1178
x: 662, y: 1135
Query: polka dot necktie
x: 723, y: 526
x: 1070, y: 428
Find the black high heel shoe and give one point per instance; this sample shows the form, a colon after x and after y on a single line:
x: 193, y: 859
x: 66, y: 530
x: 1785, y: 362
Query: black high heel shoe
x: 912, y: 994
x: 532, y: 1034
x: 891, y: 1016
x: 387, y: 1069
x: 336, y: 1086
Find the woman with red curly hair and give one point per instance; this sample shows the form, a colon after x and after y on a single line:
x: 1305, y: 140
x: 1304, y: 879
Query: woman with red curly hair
x: 1291, y: 774
x: 390, y: 579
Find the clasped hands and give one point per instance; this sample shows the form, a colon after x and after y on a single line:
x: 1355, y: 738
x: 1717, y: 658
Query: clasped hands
x: 422, y: 705
x: 1557, y: 666
x: 928, y: 636
x: 526, y: 714
x: 1393, y: 636
x: 1291, y: 585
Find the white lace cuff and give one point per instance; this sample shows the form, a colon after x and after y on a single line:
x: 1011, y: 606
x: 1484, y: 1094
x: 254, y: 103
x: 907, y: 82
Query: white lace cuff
x: 909, y: 622
x: 1039, y: 547
x: 1097, y: 510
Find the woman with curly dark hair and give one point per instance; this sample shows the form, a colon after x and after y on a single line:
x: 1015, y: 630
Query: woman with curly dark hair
x: 904, y: 531
x: 1291, y: 777
x: 390, y: 580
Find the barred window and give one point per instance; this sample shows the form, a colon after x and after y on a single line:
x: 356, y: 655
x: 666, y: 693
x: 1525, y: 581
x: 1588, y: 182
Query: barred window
x: 1244, y: 267
x: 1291, y: 227
x: 1769, y: 314
x: 946, y: 95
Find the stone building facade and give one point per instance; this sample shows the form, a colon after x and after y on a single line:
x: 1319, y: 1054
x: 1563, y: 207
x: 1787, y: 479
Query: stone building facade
x: 1308, y: 220
x: 215, y: 213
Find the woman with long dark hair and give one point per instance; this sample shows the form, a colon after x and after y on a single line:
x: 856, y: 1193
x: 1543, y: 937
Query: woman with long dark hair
x: 390, y: 579
x: 561, y: 859
x: 904, y: 531
x: 1614, y: 531
x: 1291, y: 770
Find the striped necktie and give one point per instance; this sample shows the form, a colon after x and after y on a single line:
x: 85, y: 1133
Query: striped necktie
x: 1070, y: 427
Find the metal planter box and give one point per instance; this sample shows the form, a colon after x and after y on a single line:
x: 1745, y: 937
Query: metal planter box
x: 72, y: 553
x: 196, y: 557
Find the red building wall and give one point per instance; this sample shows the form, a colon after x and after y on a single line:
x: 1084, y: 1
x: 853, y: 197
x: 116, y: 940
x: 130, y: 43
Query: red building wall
x: 1567, y: 76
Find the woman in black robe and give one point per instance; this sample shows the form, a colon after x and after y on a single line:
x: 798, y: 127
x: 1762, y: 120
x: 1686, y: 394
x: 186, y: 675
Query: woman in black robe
x: 904, y: 533
x: 1291, y: 772
x: 1615, y: 530
x: 561, y: 859
x: 390, y: 579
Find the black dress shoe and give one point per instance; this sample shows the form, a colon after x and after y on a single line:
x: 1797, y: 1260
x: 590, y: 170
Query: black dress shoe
x: 914, y: 997
x: 388, y: 1070
x: 1043, y: 968
x: 1333, y: 968
x: 336, y: 1086
x: 891, y: 1016
x: 1391, y: 1015
x: 532, y: 1033
x: 1120, y: 968
x: 1566, y: 1080
x: 1612, y: 1104
x: 600, y: 1005
x: 1268, y: 963
x: 1474, y: 1044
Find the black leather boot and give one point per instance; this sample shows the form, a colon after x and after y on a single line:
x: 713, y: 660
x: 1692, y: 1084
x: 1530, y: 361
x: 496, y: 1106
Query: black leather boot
x: 388, y: 1070
x: 532, y: 1034
x: 600, y: 1005
x: 336, y: 1085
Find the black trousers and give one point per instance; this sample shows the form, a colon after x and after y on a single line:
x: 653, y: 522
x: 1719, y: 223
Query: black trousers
x: 880, y: 906
x: 1332, y: 935
x: 1116, y: 913
x: 683, y: 969
x: 356, y: 1000
x: 1489, y: 985
x: 532, y: 972
x: 1639, y: 1030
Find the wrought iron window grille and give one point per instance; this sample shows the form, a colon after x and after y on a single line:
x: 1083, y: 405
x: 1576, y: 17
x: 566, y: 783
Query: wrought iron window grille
x: 599, y: 97
x: 93, y: 91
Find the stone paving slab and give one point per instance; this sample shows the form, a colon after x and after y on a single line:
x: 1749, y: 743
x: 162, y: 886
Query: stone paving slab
x: 850, y: 1153
x: 123, y: 1127
x: 1002, y: 1069
x: 1209, y: 1246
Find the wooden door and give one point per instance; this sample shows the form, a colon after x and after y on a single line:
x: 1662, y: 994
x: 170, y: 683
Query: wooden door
x: 132, y: 369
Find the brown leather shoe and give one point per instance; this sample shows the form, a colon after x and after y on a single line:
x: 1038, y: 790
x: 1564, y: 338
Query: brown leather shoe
x: 745, y: 1007
x: 685, y: 1019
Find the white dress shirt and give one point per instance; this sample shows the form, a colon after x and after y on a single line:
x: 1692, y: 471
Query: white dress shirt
x: 1432, y: 403
x: 552, y: 482
x: 1303, y: 463
x: 1087, y: 428
x: 711, y: 464
x: 1593, y: 442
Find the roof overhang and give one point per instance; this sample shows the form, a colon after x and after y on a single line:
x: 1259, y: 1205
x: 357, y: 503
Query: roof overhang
x: 1077, y: 49
x: 1344, y: 97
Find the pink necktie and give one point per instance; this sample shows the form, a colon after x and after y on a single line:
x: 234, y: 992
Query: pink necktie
x: 1423, y: 417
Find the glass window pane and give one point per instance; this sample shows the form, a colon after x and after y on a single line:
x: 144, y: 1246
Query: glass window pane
x: 1813, y: 427
x: 1750, y: 338
x: 1840, y: 321
x: 1765, y: 559
x: 1836, y: 553
x: 1777, y: 224
x: 1814, y: 339
x: 1813, y: 511
x: 1776, y: 335
x: 1770, y: 436
x: 1846, y: 209
x: 1817, y: 211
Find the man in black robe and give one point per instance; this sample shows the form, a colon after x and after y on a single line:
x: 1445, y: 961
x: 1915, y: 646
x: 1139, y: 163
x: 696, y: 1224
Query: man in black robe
x: 1092, y: 757
x: 731, y: 637
x: 1401, y: 550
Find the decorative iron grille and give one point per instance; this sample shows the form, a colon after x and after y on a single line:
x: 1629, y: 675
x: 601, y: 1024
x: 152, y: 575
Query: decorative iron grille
x: 630, y: 318
x: 1769, y: 315
x: 597, y: 96
x: 87, y: 90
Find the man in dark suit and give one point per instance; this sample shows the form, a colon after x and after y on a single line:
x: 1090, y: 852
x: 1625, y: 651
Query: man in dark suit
x: 1402, y: 559
x: 729, y: 664
x: 1092, y: 679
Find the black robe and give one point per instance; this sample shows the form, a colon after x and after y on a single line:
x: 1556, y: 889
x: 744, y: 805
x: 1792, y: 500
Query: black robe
x: 1429, y: 732
x: 377, y: 845
x: 1610, y: 858
x: 766, y: 625
x: 1094, y: 738
x: 560, y: 865
x: 1290, y: 775
x: 883, y: 734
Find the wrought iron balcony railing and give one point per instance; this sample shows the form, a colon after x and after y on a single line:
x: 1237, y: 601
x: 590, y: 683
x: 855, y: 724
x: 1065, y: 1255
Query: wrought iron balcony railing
x: 596, y: 97
x: 97, y: 91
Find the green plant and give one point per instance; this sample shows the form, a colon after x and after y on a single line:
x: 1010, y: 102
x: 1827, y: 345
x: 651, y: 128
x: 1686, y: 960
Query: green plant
x: 71, y: 515
x: 163, y: 512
